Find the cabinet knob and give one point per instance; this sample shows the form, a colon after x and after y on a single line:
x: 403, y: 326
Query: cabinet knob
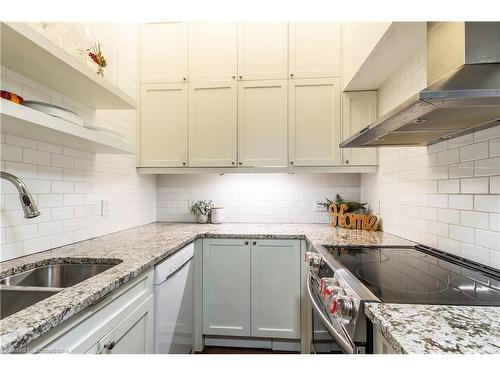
x: 184, y: 78
x: 347, y: 161
x: 240, y: 77
x: 246, y: 243
x: 183, y: 163
x: 240, y: 163
x: 291, y: 163
x: 109, y: 345
x: 233, y: 77
x: 254, y: 243
x: 291, y: 74
x: 233, y: 163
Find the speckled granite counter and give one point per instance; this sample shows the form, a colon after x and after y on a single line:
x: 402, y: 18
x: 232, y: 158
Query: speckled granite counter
x: 140, y: 249
x: 421, y: 329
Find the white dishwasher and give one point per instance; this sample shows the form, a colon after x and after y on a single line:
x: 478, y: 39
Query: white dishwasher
x: 173, y: 289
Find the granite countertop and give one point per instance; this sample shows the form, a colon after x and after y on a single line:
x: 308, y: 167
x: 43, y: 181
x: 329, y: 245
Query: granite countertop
x: 139, y: 249
x: 434, y: 329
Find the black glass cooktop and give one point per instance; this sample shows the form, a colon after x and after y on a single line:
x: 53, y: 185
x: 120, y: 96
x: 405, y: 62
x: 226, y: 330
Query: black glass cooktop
x: 416, y: 276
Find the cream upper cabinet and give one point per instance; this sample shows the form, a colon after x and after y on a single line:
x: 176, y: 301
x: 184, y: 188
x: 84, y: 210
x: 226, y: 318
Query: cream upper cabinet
x: 314, y: 50
x: 314, y: 121
x: 359, y: 110
x: 212, y: 124
x: 164, y: 52
x: 212, y: 51
x: 262, y: 123
x: 164, y: 125
x: 262, y: 50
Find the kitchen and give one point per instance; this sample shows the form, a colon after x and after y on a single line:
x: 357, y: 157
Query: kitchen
x: 250, y: 187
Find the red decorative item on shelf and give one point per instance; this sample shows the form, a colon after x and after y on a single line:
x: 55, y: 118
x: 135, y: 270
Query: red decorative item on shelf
x: 96, y: 56
x: 11, y: 97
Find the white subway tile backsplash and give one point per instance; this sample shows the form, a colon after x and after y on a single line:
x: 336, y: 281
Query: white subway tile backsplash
x: 474, y: 185
x: 487, y: 203
x: 487, y: 167
x: 488, y: 239
x: 475, y: 253
x: 461, y: 170
x: 449, y: 186
x: 462, y: 202
x: 486, y: 134
x: 495, y: 185
x: 494, y: 145
x: 474, y: 151
x: 448, y: 157
x: 461, y: 233
x: 62, y: 161
x: 474, y: 219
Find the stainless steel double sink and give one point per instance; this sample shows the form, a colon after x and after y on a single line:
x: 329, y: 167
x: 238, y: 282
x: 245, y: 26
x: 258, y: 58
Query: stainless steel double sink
x: 24, y: 289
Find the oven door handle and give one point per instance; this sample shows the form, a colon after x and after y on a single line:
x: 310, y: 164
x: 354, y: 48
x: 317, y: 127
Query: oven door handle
x: 344, y: 344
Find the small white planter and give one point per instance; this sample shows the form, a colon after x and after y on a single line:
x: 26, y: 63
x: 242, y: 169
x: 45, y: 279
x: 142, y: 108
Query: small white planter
x: 202, y: 219
x: 217, y: 215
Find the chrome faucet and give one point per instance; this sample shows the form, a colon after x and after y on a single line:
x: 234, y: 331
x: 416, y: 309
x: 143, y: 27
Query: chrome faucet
x: 29, y: 207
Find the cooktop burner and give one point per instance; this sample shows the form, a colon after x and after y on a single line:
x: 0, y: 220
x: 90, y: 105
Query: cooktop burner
x: 417, y: 276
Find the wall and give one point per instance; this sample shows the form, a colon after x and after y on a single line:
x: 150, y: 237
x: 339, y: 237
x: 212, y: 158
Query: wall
x: 67, y: 184
x: 358, y: 41
x: 265, y: 198
x: 445, y: 195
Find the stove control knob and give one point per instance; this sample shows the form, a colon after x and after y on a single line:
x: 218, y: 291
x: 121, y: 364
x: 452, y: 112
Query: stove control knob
x: 312, y: 259
x: 344, y: 308
x: 328, y: 286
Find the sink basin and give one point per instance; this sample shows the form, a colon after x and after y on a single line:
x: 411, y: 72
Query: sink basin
x: 14, y: 300
x: 56, y: 275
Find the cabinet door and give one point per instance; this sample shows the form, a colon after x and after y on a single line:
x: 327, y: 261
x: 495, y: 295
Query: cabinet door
x: 134, y: 335
x: 164, y: 125
x: 314, y: 50
x: 359, y: 110
x: 226, y: 287
x: 212, y: 124
x: 212, y: 51
x: 262, y: 123
x: 164, y: 52
x: 275, y: 287
x: 262, y: 50
x: 314, y: 116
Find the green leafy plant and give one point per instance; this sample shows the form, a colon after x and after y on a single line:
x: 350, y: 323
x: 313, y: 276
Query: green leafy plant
x: 351, y: 206
x: 202, y: 207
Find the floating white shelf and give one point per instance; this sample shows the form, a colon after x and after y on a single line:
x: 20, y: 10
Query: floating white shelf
x: 28, y: 52
x: 224, y: 170
x: 26, y: 122
x: 401, y: 41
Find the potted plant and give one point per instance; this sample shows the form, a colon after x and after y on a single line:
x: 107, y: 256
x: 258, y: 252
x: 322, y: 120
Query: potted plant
x: 202, y: 209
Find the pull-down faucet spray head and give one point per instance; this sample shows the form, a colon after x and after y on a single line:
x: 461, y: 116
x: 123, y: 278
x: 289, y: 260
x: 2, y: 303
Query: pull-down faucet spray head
x: 29, y: 206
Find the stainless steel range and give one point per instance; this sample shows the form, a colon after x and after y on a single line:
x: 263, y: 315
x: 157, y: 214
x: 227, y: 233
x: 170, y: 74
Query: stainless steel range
x: 340, y: 280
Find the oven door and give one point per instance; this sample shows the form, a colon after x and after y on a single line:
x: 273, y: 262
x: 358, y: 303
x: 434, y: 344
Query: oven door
x: 328, y: 336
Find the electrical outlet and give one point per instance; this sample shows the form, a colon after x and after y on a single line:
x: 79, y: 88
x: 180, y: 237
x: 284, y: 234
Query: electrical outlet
x: 104, y: 207
x: 318, y: 207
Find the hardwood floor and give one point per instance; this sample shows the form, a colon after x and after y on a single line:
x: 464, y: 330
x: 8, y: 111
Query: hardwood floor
x: 229, y: 350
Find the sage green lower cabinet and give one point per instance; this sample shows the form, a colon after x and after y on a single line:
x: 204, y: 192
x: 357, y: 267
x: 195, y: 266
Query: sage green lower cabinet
x: 121, y: 323
x: 275, y: 288
x: 252, y: 288
x: 226, y: 287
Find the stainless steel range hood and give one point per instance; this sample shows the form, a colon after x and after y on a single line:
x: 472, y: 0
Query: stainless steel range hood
x: 463, y: 93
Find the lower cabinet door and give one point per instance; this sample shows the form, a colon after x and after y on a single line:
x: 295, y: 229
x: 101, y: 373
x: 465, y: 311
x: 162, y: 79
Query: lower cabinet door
x: 226, y: 287
x: 275, y: 286
x: 134, y: 335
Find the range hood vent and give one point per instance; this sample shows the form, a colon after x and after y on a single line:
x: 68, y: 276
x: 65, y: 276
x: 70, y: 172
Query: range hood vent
x: 463, y: 93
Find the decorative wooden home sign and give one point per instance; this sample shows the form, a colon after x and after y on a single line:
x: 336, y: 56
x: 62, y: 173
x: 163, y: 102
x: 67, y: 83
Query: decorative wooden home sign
x: 349, y: 220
